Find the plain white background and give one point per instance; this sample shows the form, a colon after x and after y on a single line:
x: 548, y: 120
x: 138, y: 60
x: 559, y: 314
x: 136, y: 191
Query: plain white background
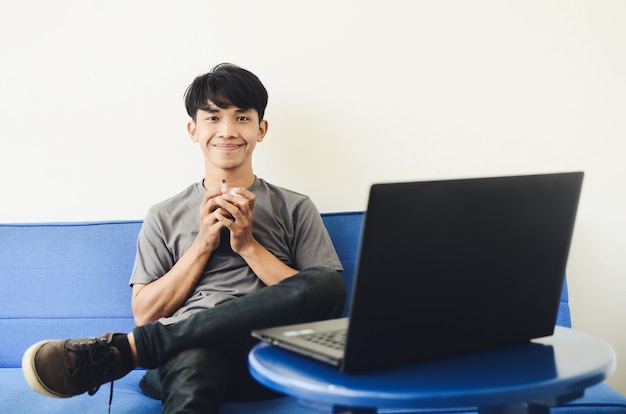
x: 92, y: 124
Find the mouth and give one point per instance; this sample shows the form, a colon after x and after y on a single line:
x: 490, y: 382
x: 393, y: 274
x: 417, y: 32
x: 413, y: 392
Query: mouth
x: 227, y: 147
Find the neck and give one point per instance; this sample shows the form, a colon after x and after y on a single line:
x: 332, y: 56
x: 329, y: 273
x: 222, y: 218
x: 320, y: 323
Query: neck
x: 213, y: 179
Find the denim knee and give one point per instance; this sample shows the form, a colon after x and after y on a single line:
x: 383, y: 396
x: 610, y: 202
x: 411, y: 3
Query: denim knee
x: 323, y: 285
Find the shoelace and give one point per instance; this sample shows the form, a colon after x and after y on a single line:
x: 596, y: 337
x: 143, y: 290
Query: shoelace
x: 89, y: 355
x: 111, y: 397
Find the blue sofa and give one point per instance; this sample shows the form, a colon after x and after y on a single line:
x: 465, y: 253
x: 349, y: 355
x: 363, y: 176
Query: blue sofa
x: 63, y: 280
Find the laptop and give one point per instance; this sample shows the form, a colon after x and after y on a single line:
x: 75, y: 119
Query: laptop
x: 449, y: 267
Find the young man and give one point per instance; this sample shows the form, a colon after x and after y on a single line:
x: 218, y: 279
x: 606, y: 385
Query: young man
x: 227, y: 255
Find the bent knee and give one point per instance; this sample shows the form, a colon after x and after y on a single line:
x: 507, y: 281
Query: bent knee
x: 326, y: 283
x: 326, y: 278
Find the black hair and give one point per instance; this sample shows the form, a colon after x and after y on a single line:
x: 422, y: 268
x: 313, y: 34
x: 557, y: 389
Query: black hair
x: 226, y: 85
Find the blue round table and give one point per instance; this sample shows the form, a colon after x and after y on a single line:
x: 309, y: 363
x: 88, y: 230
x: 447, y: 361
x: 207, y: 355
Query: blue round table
x: 521, y: 379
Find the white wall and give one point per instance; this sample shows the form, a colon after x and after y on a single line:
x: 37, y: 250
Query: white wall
x: 92, y: 124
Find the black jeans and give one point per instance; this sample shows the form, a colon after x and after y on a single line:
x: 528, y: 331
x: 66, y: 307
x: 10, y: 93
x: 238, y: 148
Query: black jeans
x: 202, y: 360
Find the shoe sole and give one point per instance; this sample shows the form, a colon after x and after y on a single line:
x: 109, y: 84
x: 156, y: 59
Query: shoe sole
x: 30, y: 373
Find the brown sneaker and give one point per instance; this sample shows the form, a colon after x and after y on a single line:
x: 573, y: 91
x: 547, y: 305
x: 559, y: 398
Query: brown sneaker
x: 66, y: 368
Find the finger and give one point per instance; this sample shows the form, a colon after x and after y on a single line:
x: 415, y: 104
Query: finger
x: 228, y: 203
x: 240, y: 200
x: 208, y: 201
x: 225, y: 219
x: 238, y: 192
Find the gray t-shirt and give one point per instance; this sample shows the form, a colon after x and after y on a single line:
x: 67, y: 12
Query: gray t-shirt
x: 286, y: 223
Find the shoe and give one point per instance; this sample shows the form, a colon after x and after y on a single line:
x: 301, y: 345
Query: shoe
x: 65, y: 368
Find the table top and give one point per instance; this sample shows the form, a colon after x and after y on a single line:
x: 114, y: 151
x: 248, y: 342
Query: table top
x: 559, y: 365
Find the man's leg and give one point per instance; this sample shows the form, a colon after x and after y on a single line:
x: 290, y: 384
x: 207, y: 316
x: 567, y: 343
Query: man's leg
x: 193, y: 381
x: 72, y: 367
x: 312, y: 295
x: 198, y: 380
x: 242, y: 386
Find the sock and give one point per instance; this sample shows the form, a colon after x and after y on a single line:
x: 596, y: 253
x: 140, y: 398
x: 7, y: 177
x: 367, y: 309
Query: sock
x: 120, y: 341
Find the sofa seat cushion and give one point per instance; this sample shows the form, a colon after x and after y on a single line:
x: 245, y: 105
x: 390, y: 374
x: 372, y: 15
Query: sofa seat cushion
x: 128, y: 399
x: 597, y: 399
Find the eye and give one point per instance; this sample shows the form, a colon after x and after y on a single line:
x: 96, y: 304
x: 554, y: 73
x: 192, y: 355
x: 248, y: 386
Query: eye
x: 211, y: 118
x: 242, y: 118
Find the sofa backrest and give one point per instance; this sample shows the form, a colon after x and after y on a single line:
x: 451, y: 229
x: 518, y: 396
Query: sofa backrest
x: 66, y: 280
x: 63, y: 280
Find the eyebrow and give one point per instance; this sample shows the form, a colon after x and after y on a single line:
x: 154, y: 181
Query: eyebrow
x: 214, y: 109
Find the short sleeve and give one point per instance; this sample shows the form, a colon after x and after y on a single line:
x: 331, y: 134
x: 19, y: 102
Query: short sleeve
x: 312, y: 245
x: 153, y: 258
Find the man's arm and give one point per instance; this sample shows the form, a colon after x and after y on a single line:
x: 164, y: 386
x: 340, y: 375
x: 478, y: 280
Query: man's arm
x: 165, y: 295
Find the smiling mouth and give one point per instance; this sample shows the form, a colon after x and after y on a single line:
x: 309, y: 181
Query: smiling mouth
x: 227, y: 147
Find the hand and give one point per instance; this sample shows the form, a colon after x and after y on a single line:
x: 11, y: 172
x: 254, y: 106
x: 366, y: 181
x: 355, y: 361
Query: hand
x: 236, y: 213
x: 210, y: 226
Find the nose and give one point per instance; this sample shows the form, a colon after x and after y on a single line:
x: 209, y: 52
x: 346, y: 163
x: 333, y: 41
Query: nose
x: 227, y: 128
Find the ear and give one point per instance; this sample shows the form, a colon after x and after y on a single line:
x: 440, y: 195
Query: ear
x: 263, y: 125
x: 191, y: 129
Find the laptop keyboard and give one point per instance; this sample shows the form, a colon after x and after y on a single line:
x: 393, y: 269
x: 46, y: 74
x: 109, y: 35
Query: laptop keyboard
x: 331, y: 339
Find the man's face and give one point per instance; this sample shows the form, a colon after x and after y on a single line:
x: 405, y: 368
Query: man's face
x: 227, y: 136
